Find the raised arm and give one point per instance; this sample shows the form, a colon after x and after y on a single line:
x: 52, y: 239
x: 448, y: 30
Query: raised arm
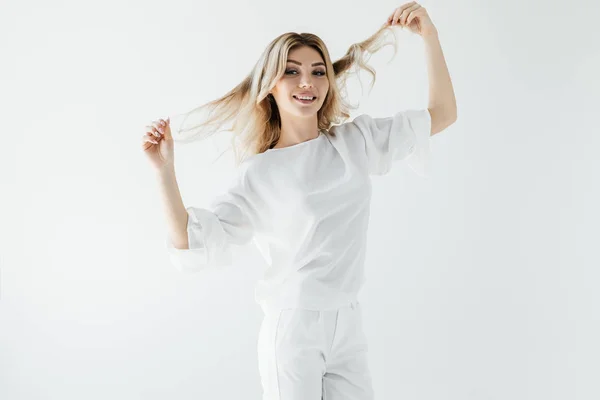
x: 442, y: 103
x: 173, y: 207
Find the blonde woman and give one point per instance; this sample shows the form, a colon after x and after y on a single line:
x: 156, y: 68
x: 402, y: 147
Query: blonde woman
x: 302, y: 195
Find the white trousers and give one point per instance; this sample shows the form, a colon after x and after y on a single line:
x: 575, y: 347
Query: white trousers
x: 314, y: 355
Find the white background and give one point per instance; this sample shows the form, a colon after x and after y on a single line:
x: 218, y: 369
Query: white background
x: 482, y: 280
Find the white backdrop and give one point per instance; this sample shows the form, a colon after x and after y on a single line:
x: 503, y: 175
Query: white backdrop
x: 482, y: 280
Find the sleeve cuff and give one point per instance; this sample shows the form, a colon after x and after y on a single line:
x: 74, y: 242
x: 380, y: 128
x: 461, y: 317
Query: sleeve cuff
x: 199, y: 256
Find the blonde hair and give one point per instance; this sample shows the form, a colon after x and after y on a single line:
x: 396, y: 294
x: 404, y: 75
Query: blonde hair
x: 255, y: 116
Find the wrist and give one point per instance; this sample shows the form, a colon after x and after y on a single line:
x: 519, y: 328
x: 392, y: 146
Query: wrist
x: 431, y: 35
x: 165, y: 172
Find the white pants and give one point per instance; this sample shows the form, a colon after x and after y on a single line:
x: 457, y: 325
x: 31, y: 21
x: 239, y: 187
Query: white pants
x: 314, y: 355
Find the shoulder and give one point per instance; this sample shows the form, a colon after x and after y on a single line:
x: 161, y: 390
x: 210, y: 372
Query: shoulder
x: 403, y: 121
x: 350, y: 130
x: 353, y: 127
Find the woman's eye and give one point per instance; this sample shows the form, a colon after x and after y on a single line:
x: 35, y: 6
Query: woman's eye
x: 320, y: 73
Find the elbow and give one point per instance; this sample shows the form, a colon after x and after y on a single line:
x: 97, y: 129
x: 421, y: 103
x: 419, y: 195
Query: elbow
x: 453, y: 116
x: 450, y: 114
x: 442, y: 120
x: 181, y: 245
x: 180, y: 241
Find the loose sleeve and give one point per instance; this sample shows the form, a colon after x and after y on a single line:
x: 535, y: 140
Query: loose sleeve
x: 214, y: 231
x: 403, y: 136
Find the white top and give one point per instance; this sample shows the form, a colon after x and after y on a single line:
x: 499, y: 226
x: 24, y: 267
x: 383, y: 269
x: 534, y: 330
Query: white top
x: 306, y: 207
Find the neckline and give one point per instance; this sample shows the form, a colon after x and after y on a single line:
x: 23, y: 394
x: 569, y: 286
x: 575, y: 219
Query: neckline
x: 297, y: 144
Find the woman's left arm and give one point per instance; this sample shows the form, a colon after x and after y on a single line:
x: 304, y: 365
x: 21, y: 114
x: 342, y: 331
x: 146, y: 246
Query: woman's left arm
x: 442, y: 103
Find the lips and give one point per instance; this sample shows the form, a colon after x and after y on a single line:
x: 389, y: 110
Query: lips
x: 305, y: 101
x: 304, y: 95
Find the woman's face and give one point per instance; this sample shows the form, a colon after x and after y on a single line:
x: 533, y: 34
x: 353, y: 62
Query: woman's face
x: 305, y: 75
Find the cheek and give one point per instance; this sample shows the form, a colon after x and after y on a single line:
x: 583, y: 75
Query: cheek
x: 324, y: 89
x: 280, y: 86
x: 283, y: 90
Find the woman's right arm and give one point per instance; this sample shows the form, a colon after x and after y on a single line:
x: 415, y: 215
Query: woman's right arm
x: 174, y: 210
x: 198, y: 237
x: 157, y: 144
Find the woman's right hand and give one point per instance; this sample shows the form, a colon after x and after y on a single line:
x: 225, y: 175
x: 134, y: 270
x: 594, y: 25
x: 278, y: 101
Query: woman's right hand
x: 157, y: 144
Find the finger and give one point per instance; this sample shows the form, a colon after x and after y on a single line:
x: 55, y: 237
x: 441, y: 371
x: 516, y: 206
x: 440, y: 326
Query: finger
x: 157, y: 138
x: 416, y: 13
x: 159, y: 127
x: 149, y: 139
x: 162, y: 123
x: 399, y: 10
x: 167, y: 131
x: 153, y: 130
x: 391, y: 18
x: 406, y: 13
x: 152, y: 136
x: 396, y: 14
x: 147, y: 145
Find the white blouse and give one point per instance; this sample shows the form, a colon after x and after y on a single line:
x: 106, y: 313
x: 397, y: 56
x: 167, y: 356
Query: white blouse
x: 306, y: 208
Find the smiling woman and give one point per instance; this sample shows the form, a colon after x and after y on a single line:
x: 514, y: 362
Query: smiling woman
x: 292, y: 65
x: 303, y: 197
x: 299, y: 94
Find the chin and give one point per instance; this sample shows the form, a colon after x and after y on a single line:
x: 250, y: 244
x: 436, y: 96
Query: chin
x: 305, y: 113
x: 302, y: 111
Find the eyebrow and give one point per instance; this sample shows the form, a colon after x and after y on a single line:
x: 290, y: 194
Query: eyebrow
x: 312, y: 65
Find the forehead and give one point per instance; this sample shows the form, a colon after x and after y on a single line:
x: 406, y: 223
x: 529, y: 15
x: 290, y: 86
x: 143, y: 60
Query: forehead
x: 305, y: 53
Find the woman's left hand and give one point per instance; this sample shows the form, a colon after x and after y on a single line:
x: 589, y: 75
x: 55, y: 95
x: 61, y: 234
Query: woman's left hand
x: 414, y: 17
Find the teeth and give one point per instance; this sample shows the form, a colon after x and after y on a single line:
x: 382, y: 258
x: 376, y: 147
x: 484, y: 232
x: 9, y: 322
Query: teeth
x: 304, y: 98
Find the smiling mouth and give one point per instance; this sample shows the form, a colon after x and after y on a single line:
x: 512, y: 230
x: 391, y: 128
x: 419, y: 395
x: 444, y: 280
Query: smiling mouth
x: 304, y: 101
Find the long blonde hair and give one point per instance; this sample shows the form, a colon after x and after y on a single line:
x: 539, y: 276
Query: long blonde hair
x: 255, y: 116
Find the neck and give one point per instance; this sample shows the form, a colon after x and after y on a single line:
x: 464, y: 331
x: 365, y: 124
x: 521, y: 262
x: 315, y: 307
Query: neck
x: 296, y: 130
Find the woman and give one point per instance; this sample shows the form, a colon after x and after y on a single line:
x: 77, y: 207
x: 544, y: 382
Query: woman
x: 303, y: 197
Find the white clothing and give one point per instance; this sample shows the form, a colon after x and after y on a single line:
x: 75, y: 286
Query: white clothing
x: 306, y: 207
x: 310, y: 355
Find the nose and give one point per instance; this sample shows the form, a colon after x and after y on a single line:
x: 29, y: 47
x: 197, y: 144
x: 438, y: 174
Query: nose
x: 305, y: 82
